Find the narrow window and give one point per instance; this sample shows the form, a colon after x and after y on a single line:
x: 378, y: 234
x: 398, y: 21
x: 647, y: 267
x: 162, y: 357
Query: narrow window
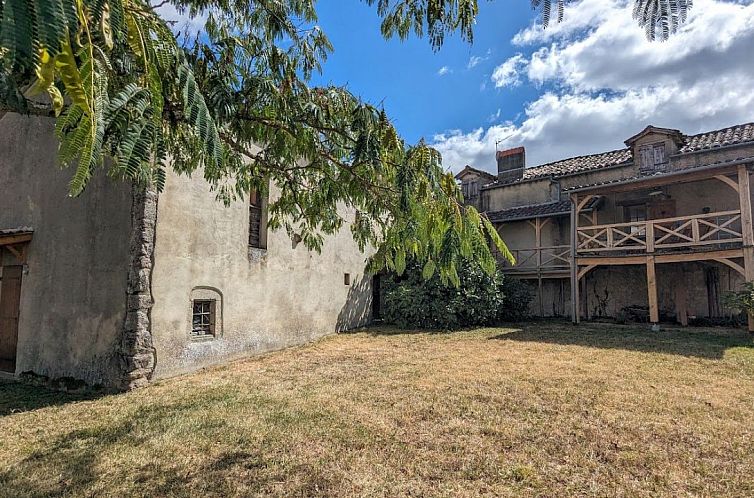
x: 257, y: 221
x: 346, y: 279
x: 203, y: 318
x: 635, y: 214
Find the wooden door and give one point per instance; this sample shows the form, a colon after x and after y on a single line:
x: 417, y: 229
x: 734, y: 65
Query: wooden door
x: 662, y: 209
x: 10, y: 301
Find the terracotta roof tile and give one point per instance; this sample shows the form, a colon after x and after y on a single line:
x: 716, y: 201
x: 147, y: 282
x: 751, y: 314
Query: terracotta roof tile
x: 532, y: 211
x: 576, y: 165
x: 732, y: 135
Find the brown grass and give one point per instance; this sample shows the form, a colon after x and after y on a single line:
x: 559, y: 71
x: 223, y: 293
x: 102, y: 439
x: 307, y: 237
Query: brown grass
x: 544, y: 409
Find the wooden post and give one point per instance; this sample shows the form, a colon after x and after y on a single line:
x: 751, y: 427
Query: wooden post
x: 681, y: 301
x: 654, y: 312
x: 650, y: 234
x: 747, y: 231
x: 575, y: 314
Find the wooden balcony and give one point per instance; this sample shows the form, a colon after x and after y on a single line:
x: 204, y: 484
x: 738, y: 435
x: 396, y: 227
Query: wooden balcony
x: 698, y: 232
x: 552, y: 259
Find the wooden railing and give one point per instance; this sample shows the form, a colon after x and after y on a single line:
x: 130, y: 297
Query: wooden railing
x: 722, y: 228
x: 544, y: 258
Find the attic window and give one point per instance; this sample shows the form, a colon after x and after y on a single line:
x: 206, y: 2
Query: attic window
x: 470, y: 189
x: 653, y: 157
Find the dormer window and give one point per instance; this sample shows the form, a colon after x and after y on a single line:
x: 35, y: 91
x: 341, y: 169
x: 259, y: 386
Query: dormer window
x: 653, y: 157
x: 470, y: 189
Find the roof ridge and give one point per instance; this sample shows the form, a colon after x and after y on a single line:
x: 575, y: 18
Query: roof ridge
x: 724, y: 128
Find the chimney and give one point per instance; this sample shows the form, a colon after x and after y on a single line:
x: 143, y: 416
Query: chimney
x: 511, y: 164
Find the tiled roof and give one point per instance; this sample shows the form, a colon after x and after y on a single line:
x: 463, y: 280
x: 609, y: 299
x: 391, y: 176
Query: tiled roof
x: 579, y: 164
x: 575, y: 165
x: 532, y: 211
x: 732, y: 135
x: 645, y: 176
x: 469, y: 169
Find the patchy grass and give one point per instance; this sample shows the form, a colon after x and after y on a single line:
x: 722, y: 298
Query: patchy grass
x: 544, y: 409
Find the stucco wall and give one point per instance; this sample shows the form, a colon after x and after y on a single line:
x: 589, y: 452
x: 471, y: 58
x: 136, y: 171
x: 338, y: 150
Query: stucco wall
x: 287, y: 297
x: 520, y: 194
x: 73, y: 296
x: 609, y: 289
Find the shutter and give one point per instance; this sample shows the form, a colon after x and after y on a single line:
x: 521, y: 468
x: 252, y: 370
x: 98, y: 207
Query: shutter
x: 647, y: 158
x: 659, y: 154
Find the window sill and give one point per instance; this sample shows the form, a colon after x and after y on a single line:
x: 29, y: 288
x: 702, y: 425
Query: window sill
x: 256, y: 254
x: 202, y: 338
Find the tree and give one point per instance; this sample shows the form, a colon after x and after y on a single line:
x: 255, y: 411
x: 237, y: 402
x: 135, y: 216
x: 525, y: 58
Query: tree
x: 234, y: 102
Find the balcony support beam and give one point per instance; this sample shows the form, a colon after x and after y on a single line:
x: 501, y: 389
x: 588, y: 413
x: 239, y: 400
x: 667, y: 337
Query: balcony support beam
x: 575, y: 313
x: 654, y: 311
x: 747, y: 231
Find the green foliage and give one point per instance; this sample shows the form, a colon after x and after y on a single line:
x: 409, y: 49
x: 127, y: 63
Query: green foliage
x: 517, y: 296
x: 740, y: 301
x: 480, y: 298
x: 235, y: 105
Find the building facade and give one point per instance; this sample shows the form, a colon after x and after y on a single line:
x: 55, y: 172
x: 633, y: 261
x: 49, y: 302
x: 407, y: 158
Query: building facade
x: 657, y: 231
x: 121, y: 286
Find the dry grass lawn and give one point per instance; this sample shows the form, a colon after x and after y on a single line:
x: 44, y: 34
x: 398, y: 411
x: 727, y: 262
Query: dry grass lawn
x: 544, y: 409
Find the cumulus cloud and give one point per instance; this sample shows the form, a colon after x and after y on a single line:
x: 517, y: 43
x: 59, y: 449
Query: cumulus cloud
x: 444, y: 70
x: 601, y: 81
x: 509, y: 72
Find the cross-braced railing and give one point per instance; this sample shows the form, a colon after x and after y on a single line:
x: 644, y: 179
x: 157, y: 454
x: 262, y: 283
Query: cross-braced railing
x: 711, y: 229
x: 544, y: 258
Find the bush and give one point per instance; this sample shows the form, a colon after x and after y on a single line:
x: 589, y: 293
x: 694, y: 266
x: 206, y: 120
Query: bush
x: 517, y: 296
x: 409, y: 301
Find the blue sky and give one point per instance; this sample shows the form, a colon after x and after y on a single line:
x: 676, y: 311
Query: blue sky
x: 404, y: 76
x: 582, y: 86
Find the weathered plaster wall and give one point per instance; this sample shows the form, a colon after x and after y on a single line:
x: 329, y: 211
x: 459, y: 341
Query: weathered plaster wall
x: 73, y: 297
x: 598, y: 176
x: 609, y: 289
x: 606, y: 291
x: 287, y: 297
x: 690, y: 199
x: 520, y: 194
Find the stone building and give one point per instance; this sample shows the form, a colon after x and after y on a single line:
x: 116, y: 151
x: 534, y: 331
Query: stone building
x: 658, y: 230
x: 118, y: 287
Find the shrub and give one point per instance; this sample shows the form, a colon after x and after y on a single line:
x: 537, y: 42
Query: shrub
x: 409, y: 301
x: 517, y: 296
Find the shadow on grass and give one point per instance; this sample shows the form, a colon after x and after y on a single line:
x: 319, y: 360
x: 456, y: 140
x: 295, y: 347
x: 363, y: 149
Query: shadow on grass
x: 701, y: 343
x: 379, y: 329
x: 123, y: 452
x: 16, y: 397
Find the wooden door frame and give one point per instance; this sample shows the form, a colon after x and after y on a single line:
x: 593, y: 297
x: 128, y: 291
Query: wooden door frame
x: 8, y: 364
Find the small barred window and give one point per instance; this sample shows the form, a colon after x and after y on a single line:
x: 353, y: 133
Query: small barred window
x: 203, y: 318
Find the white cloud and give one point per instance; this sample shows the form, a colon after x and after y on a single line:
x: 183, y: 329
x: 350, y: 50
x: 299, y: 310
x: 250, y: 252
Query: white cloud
x: 181, y: 23
x: 444, y: 70
x: 602, y: 81
x: 474, y: 61
x: 509, y: 72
